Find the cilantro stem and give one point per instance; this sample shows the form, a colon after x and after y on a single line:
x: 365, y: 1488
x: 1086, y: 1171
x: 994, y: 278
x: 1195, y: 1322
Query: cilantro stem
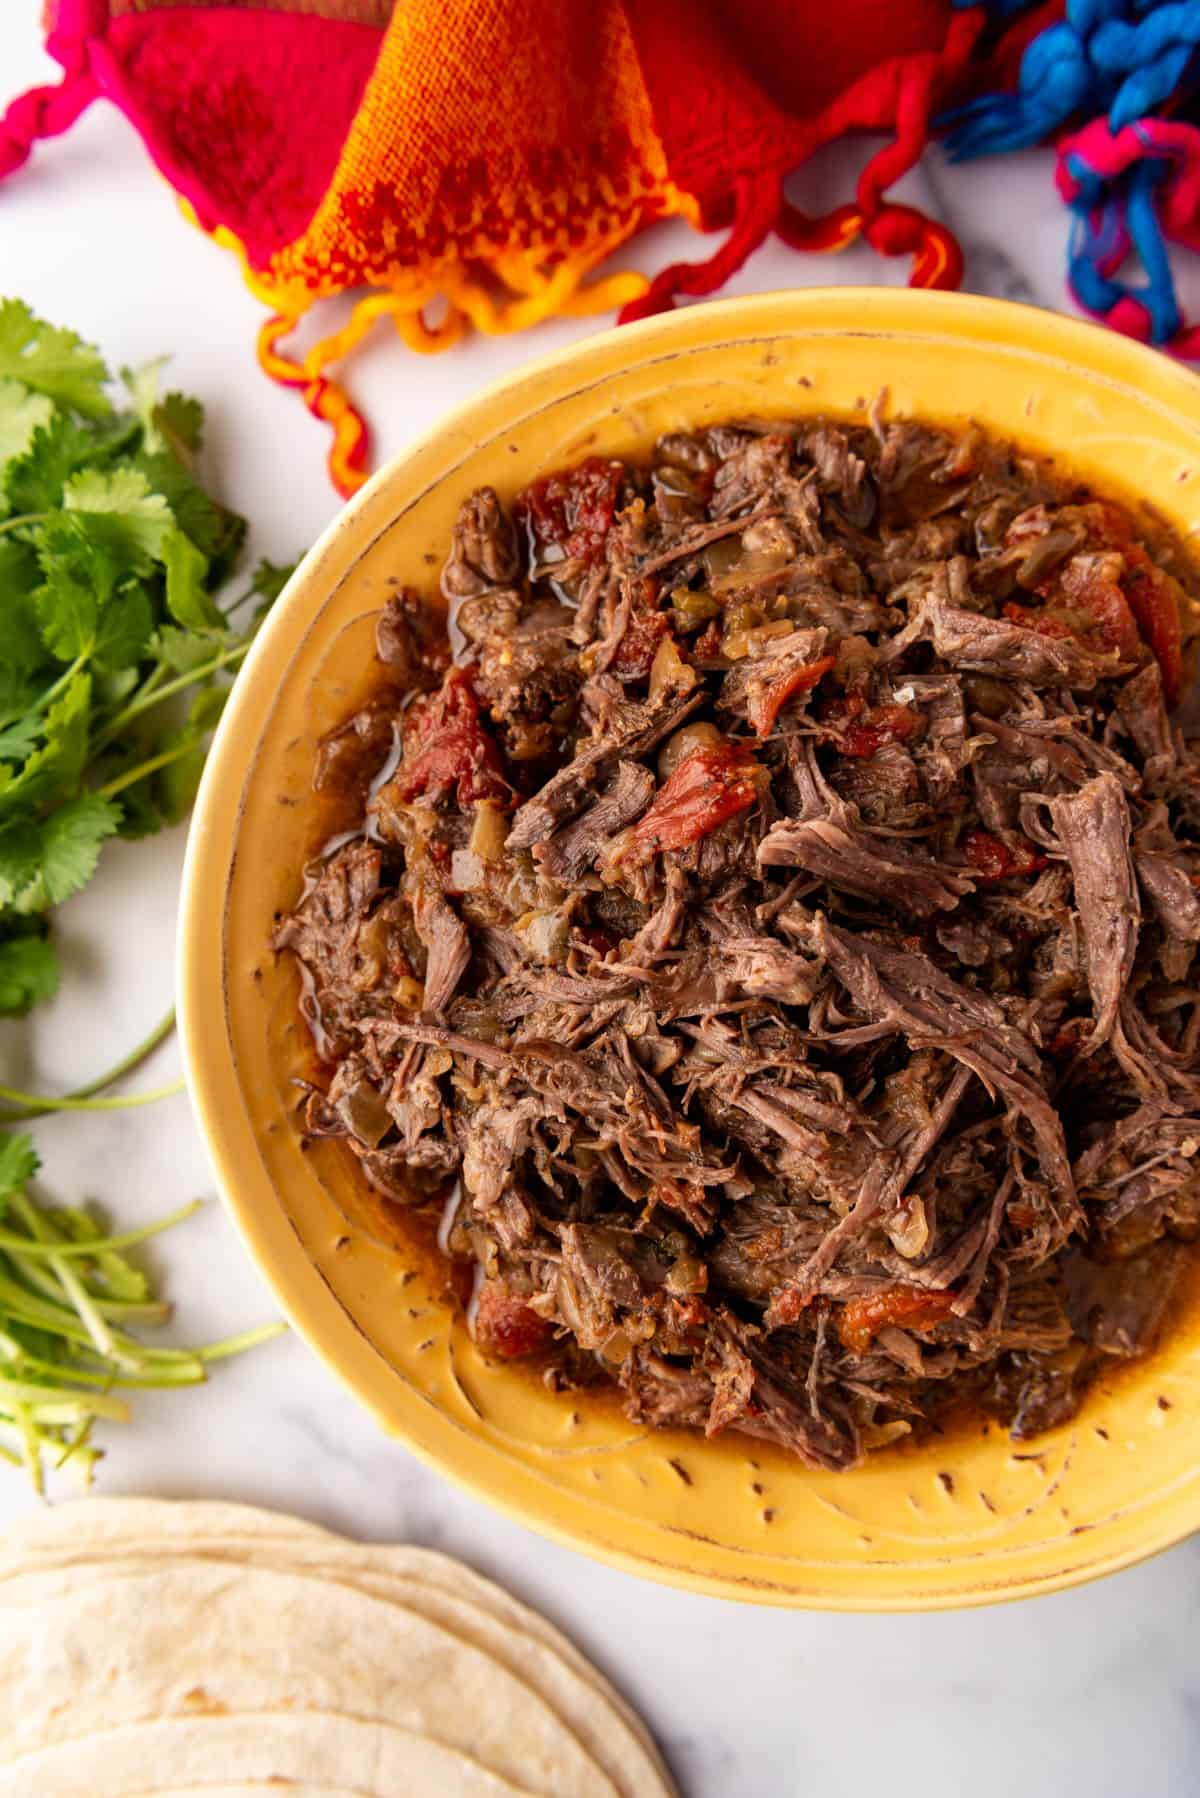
x: 31, y: 1448
x: 64, y: 680
x: 190, y: 1373
x: 34, y: 1104
x: 42, y: 1230
x: 38, y: 1279
x: 23, y: 1392
x: 234, y: 1345
x: 110, y: 1077
x: 132, y: 775
x: 12, y: 524
x: 151, y: 694
x: 97, y: 1245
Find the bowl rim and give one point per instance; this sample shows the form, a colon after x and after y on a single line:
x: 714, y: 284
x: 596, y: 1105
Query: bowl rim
x: 311, y: 1308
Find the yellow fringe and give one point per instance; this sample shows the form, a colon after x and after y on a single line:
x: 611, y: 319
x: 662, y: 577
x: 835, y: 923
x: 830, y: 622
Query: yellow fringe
x: 533, y: 295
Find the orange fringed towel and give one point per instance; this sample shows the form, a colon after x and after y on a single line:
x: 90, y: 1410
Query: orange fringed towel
x: 489, y: 155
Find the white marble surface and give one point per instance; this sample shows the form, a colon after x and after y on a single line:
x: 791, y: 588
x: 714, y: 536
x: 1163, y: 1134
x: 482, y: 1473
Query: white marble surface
x: 1095, y: 1691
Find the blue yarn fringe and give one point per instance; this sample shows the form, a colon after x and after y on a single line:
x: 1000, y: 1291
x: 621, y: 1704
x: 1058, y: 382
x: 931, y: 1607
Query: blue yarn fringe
x: 1120, y: 57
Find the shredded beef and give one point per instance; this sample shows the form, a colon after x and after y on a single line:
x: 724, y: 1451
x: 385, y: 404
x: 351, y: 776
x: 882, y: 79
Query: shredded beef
x: 772, y: 937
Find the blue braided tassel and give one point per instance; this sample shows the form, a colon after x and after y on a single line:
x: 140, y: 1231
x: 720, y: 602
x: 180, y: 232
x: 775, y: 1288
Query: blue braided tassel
x: 1123, y: 56
x: 1111, y: 218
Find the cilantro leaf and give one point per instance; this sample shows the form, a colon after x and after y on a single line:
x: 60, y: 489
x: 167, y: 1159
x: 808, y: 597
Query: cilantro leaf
x: 34, y: 481
x: 142, y: 385
x: 19, y: 739
x: 172, y: 423
x: 123, y: 630
x: 68, y: 614
x: 51, y: 361
x: 216, y: 532
x: 19, y: 1160
x: 20, y: 860
x: 187, y: 599
x: 43, y: 863
x: 181, y: 650
x: 181, y: 421
x: 177, y: 783
x: 71, y: 840
x: 122, y: 513
x: 21, y: 414
x: 54, y: 770
x: 29, y: 972
x: 21, y: 650
x: 268, y: 582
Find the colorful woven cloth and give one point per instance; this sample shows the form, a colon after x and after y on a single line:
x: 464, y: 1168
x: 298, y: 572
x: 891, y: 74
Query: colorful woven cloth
x: 474, y: 164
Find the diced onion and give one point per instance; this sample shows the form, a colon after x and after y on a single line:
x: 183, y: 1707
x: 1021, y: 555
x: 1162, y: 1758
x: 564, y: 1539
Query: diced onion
x: 669, y: 671
x: 489, y: 833
x: 683, y: 743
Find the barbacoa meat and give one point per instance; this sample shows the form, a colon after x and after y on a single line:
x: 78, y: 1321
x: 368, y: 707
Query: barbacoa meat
x: 765, y: 935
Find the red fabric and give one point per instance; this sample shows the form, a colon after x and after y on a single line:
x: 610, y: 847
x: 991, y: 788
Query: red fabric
x: 730, y: 137
x: 496, y: 152
x: 244, y: 113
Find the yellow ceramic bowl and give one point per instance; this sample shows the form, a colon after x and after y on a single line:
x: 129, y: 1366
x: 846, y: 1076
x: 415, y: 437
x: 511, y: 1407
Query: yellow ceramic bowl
x: 959, y: 1521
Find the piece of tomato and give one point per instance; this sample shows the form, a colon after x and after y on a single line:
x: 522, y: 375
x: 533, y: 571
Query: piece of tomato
x: 446, y: 746
x: 991, y: 858
x: 709, y: 786
x: 907, y: 1307
x: 503, y: 1324
x: 572, y: 510
x: 766, y: 704
x: 861, y: 731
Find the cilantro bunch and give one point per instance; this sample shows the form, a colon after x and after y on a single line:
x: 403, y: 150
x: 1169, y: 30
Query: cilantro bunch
x: 70, y: 1298
x: 115, y: 646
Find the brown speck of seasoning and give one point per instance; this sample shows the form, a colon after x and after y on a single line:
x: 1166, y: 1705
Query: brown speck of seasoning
x: 804, y: 380
x: 986, y: 1502
x: 343, y: 1242
x: 768, y: 1515
x: 1164, y: 1404
x: 946, y: 1482
x: 514, y: 449
x: 1185, y: 474
x: 1102, y: 1433
x: 756, y: 1488
x: 429, y: 557
x: 427, y: 1344
x: 573, y: 1420
x: 407, y: 1278
x: 679, y: 1468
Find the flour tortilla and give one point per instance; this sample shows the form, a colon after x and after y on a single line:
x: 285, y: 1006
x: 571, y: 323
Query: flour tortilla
x: 603, y: 1733
x: 230, y: 1639
x: 45, y: 1555
x: 175, y: 1755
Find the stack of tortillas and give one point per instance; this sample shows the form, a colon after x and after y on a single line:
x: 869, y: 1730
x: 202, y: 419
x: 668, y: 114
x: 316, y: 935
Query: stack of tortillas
x: 157, y: 1647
